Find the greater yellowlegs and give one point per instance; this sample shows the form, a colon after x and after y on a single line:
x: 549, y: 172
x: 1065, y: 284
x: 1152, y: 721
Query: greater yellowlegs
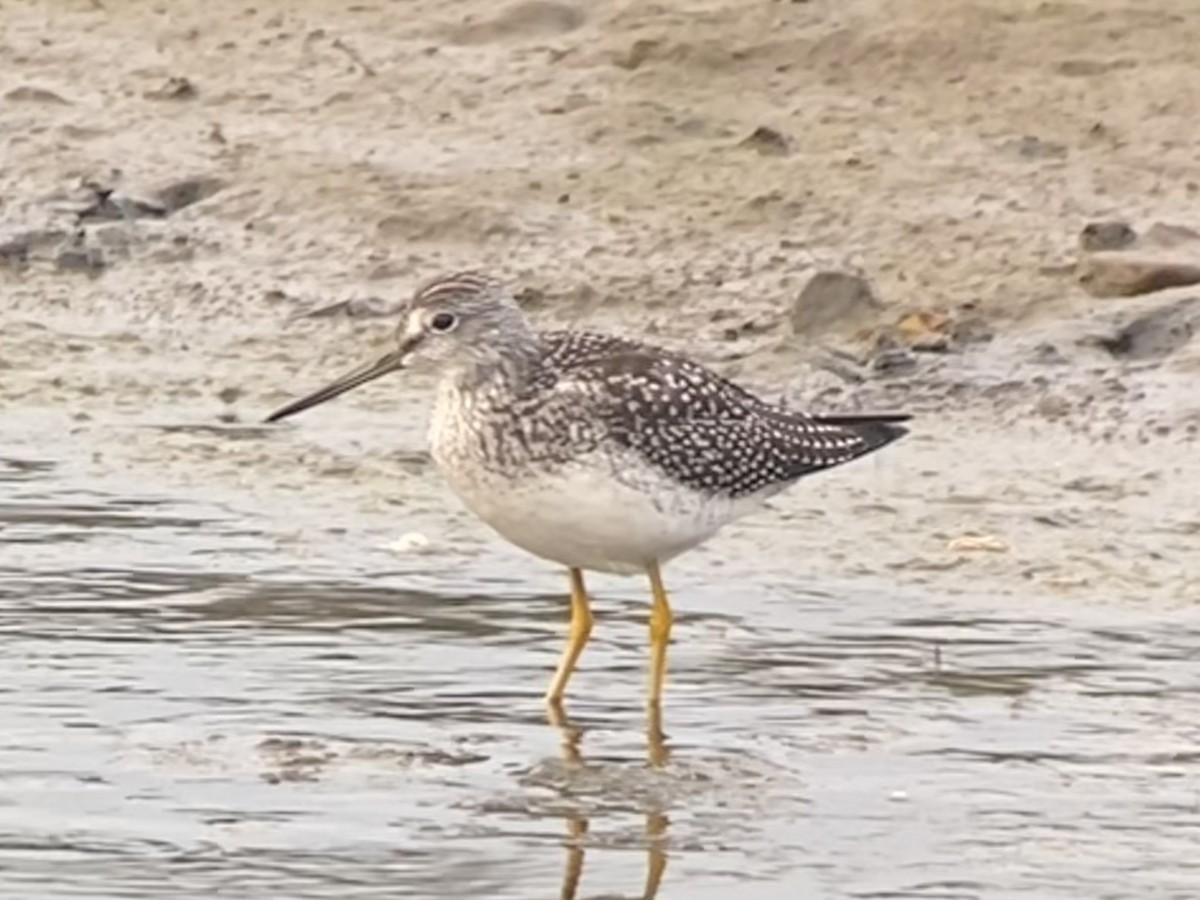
x: 597, y: 452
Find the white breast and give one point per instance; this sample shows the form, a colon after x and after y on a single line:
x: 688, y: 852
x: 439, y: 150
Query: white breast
x: 583, y: 515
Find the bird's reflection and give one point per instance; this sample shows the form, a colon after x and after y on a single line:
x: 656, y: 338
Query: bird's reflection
x: 657, y: 751
x: 577, y: 825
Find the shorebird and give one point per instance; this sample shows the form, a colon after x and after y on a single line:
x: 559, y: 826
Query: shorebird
x: 597, y: 452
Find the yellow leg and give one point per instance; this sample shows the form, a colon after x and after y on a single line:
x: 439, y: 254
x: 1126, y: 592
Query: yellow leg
x: 660, y: 635
x: 581, y: 629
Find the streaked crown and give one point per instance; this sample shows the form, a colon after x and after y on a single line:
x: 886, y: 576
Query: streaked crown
x: 467, y: 292
x: 465, y: 317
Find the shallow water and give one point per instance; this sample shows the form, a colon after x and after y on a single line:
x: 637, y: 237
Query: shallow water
x: 191, y: 708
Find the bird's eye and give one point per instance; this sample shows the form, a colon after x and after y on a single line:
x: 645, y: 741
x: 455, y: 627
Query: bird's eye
x: 443, y: 322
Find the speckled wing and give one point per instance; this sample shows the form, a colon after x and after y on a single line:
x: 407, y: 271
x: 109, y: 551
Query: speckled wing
x: 700, y: 429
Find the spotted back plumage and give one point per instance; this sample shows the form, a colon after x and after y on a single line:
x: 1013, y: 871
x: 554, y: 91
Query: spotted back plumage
x: 699, y: 428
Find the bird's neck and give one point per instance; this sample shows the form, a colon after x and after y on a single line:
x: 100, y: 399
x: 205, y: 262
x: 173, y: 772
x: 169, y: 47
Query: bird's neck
x: 508, y: 367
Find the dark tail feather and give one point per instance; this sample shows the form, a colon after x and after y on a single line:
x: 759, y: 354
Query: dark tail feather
x: 853, y: 419
x: 876, y: 429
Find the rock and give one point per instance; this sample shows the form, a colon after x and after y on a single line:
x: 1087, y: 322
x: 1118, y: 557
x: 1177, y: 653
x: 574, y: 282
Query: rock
x: 1114, y: 234
x: 834, y: 301
x: 186, y: 191
x: 1117, y: 262
x: 28, y: 94
x: 1047, y: 354
x: 642, y: 50
x: 106, y: 206
x: 531, y: 19
x: 1111, y: 235
x: 1121, y: 273
x: 1157, y: 333
x: 767, y: 141
x: 109, y: 206
x: 175, y: 87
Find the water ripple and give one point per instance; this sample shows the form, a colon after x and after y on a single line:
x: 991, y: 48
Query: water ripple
x: 180, y: 720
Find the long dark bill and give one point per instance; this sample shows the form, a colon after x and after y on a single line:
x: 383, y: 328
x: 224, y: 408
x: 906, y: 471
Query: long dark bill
x: 389, y: 362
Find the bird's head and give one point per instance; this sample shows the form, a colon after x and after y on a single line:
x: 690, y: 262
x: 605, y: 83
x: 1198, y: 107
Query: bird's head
x: 458, y: 322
